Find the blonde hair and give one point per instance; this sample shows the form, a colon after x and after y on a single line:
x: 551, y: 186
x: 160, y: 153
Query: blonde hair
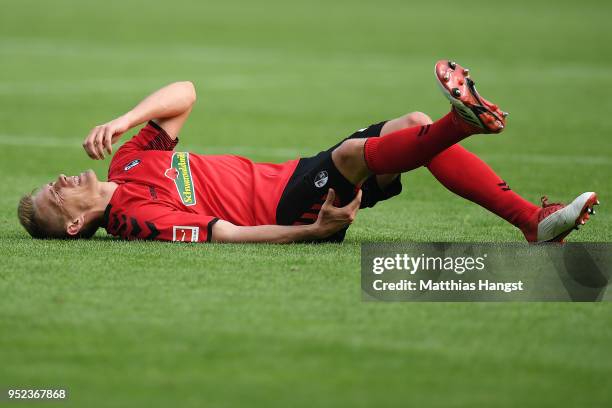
x: 27, y: 217
x: 38, y: 228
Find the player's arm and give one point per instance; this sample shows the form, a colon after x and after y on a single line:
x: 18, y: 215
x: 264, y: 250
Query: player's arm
x: 331, y: 219
x: 169, y: 107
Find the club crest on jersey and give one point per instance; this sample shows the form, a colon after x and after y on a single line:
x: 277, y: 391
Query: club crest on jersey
x: 321, y: 179
x: 185, y: 233
x: 180, y: 173
x: 131, y: 165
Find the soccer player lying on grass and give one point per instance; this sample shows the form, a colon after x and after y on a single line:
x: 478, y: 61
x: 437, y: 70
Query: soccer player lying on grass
x: 153, y: 192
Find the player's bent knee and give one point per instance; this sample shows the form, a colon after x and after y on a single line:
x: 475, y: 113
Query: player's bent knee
x: 417, y: 119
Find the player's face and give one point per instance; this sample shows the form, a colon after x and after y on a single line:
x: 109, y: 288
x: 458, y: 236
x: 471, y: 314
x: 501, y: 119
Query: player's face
x: 66, y: 198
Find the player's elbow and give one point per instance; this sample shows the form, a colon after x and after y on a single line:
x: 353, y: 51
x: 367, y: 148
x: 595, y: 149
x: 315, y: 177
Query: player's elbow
x: 185, y: 91
x: 190, y: 92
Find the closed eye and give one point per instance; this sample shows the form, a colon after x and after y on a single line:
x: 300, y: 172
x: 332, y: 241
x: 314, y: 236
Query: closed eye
x: 54, y: 194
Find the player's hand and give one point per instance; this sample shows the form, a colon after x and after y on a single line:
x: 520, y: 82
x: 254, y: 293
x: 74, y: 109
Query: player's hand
x: 332, y: 219
x: 101, y: 138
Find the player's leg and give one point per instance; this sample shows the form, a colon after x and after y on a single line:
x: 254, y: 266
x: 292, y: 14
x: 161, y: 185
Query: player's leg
x: 460, y: 171
x: 413, y: 119
x: 381, y: 187
x: 466, y: 175
x: 401, y: 150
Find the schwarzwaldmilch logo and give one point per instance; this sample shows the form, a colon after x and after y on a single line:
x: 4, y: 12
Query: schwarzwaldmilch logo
x: 321, y: 179
x: 180, y: 173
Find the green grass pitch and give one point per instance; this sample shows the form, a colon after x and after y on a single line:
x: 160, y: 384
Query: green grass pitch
x: 158, y: 325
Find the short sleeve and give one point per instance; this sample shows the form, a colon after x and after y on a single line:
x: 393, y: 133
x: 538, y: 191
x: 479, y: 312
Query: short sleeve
x: 150, y: 137
x: 158, y: 222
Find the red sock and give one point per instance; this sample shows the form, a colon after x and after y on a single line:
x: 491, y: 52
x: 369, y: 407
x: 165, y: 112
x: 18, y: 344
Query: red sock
x: 407, y: 149
x: 465, y: 174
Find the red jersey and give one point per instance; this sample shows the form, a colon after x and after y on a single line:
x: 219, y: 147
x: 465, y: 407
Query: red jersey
x: 178, y: 196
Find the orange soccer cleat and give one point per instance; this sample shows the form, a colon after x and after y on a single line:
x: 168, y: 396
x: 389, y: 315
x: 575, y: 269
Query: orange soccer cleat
x: 459, y: 88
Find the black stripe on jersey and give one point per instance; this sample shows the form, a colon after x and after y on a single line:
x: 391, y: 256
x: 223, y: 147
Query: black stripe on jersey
x: 135, y: 227
x: 115, y: 223
x: 123, y: 225
x: 154, y: 231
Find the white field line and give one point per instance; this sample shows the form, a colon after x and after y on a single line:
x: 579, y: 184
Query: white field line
x: 292, y: 153
x: 128, y: 85
x: 72, y: 143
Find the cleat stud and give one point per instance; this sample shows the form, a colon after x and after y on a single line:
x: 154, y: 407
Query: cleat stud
x: 456, y: 92
x: 597, y: 202
x: 505, y: 114
x: 447, y: 77
x: 452, y: 64
x: 466, y: 72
